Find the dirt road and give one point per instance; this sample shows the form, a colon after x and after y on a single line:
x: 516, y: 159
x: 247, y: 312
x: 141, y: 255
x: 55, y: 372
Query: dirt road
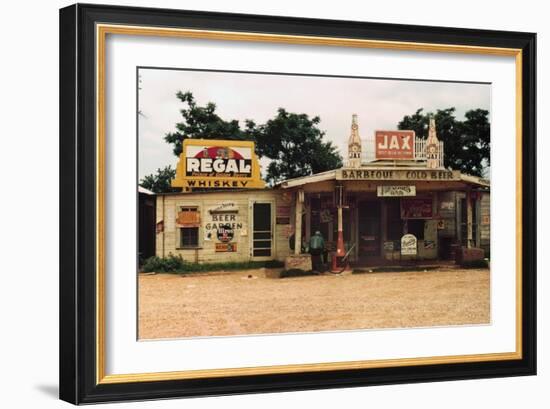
x: 172, y: 306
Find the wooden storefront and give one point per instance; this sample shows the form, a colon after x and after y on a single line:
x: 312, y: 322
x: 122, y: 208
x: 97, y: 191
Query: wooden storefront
x: 225, y: 212
x: 220, y: 226
x: 442, y: 215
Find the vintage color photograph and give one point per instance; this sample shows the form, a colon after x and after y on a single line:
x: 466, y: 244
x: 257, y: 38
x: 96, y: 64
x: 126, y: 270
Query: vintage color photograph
x: 274, y: 203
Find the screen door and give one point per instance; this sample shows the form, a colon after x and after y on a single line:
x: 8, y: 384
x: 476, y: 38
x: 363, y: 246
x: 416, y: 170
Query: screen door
x: 262, y: 235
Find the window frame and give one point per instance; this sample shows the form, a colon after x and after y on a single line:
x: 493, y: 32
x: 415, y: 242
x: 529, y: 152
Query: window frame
x: 180, y: 245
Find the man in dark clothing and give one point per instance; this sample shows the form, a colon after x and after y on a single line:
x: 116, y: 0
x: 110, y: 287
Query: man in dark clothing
x: 316, y: 249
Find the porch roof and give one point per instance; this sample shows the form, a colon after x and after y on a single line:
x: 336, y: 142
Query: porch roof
x: 387, y: 174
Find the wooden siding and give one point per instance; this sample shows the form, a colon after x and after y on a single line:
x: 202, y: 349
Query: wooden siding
x: 485, y: 220
x: 237, y: 205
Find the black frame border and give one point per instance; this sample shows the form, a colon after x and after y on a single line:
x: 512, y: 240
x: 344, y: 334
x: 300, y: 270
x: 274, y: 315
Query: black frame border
x: 77, y: 316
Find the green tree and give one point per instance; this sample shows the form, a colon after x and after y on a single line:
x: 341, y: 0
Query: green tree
x: 203, y: 123
x: 293, y: 142
x: 466, y: 143
x: 159, y: 182
x: 295, y: 145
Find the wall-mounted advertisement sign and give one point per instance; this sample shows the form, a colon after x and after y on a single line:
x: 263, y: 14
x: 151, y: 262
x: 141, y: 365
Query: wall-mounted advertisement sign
x: 431, y: 175
x: 408, y: 245
x: 283, y: 211
x: 394, y: 145
x: 189, y: 218
x: 224, y: 207
x: 217, y: 164
x: 395, y: 191
x: 416, y: 208
x: 225, y: 233
x: 325, y: 216
x: 160, y: 226
x: 283, y: 215
x: 226, y: 247
x: 218, y: 221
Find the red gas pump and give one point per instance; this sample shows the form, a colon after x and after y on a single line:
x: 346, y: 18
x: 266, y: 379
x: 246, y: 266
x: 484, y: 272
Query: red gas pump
x: 340, y: 247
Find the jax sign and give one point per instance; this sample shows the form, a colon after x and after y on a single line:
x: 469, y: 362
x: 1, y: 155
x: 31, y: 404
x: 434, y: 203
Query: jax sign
x: 217, y: 164
x: 394, y: 145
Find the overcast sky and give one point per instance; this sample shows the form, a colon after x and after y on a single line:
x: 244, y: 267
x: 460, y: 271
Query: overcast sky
x: 379, y: 103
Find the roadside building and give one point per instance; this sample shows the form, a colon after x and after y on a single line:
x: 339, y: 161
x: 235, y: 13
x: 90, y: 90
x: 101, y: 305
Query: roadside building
x: 400, y: 206
x: 220, y: 226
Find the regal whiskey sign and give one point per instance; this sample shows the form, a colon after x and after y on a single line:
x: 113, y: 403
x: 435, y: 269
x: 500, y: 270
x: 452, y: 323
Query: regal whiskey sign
x: 217, y: 164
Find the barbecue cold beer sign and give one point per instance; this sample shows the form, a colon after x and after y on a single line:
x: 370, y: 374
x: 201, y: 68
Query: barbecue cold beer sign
x: 217, y: 164
x: 394, y: 145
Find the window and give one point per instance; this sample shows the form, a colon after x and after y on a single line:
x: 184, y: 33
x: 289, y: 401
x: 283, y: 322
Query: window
x: 321, y: 213
x: 416, y: 227
x: 188, y: 221
x: 189, y: 237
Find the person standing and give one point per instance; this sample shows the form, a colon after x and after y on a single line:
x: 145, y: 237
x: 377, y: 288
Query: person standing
x: 316, y: 249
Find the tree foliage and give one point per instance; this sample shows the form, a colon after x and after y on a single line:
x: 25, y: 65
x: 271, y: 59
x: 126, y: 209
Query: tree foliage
x: 466, y: 143
x: 159, y: 182
x: 202, y: 122
x: 293, y: 142
x: 295, y: 145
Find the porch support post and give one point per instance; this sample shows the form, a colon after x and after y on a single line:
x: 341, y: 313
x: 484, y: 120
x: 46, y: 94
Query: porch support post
x: 340, y: 248
x: 469, y: 227
x: 307, y: 212
x: 298, y: 224
x: 384, y: 221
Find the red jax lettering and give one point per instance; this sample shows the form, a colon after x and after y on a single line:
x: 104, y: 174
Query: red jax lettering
x: 396, y: 145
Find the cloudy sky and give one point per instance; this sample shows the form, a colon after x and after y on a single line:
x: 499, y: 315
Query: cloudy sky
x: 379, y: 103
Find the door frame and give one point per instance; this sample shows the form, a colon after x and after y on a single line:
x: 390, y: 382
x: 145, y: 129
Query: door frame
x: 251, y: 203
x: 380, y: 229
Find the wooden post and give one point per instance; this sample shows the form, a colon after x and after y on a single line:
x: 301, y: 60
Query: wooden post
x: 298, y: 232
x: 469, y: 227
x: 340, y: 247
x: 307, y: 210
x: 384, y: 221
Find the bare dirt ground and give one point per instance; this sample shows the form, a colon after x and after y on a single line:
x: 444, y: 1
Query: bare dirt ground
x: 172, y: 306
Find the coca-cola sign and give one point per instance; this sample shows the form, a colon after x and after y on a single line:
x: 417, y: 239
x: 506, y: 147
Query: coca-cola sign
x: 416, y: 208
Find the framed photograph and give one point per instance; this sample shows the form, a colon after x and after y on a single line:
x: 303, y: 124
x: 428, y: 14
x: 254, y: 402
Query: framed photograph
x: 257, y: 203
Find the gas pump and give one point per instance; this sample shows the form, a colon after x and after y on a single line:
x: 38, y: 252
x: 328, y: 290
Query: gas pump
x: 340, y: 252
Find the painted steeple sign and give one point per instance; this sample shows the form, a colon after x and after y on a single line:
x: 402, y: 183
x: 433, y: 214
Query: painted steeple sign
x: 354, y: 144
x: 432, y: 147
